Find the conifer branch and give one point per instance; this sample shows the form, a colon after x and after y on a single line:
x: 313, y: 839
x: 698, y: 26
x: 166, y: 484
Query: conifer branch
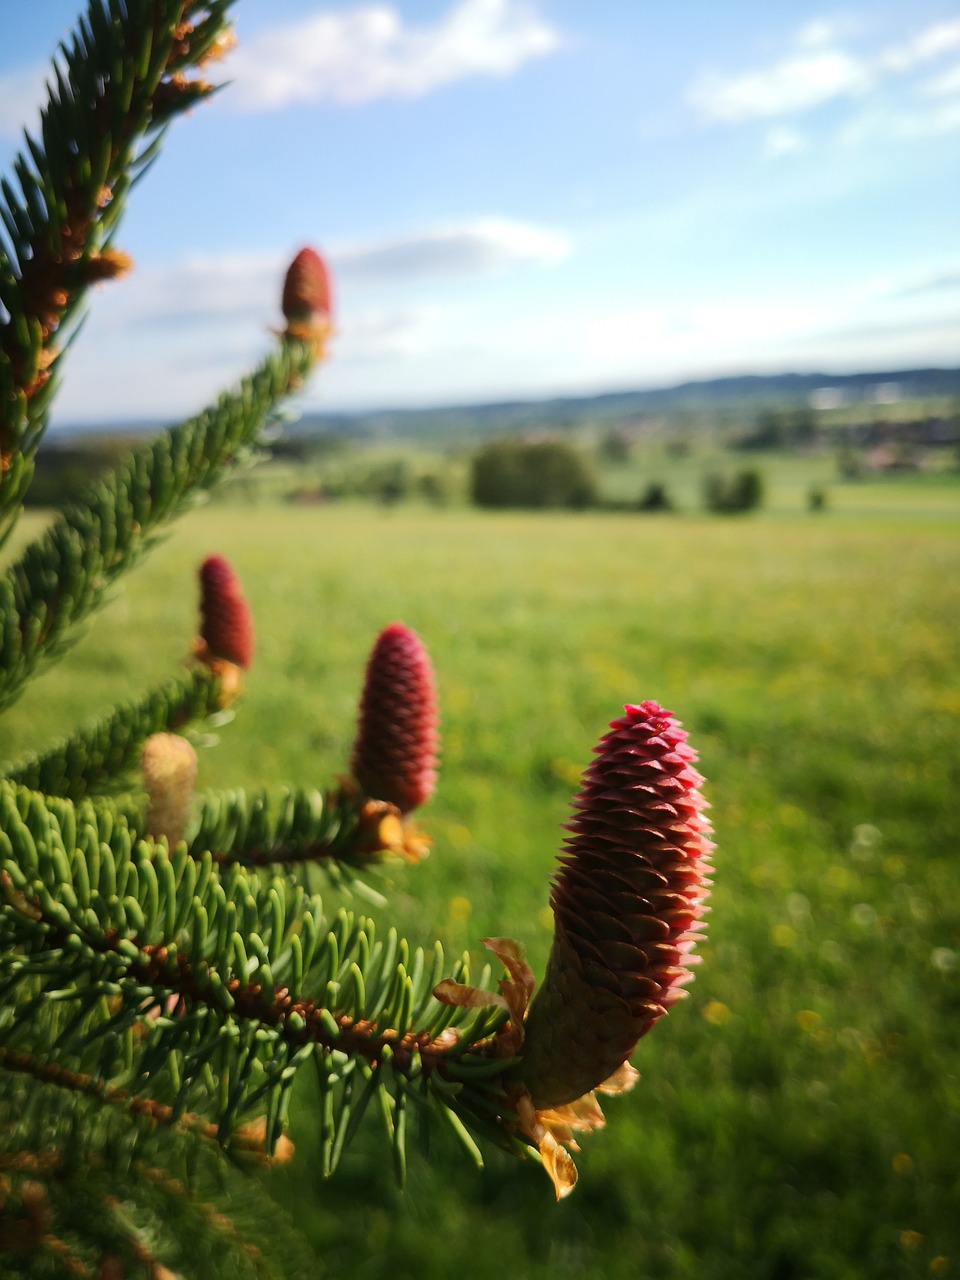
x: 65, y: 1158
x: 340, y: 829
x: 169, y: 969
x: 98, y: 756
x: 126, y: 73
x: 63, y: 576
x: 247, y: 1142
x: 165, y: 970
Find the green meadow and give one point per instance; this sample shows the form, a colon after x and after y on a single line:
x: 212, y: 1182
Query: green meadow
x: 798, y: 1117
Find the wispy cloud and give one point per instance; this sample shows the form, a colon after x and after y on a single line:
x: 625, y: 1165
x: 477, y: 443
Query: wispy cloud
x: 479, y: 246
x: 206, y: 318
x: 781, y: 140
x: 823, y: 31
x: 232, y: 289
x: 228, y: 289
x: 460, y: 346
x: 902, y: 121
x: 793, y: 84
x: 947, y: 84
x: 935, y: 282
x: 887, y: 86
x: 932, y: 42
x: 362, y: 54
x: 676, y: 335
x: 376, y: 335
x: 944, y: 118
x: 350, y: 57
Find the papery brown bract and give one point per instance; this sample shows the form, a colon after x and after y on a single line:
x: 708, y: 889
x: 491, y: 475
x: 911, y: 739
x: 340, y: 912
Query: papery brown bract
x: 628, y: 900
x: 395, y: 753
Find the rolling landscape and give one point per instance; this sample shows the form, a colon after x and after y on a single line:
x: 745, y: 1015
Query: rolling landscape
x: 798, y: 1115
x: 348, y: 847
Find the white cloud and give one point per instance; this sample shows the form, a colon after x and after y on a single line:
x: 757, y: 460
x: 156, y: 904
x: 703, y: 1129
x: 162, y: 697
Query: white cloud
x: 791, y: 85
x: 932, y: 42
x: 783, y: 141
x: 232, y: 291
x: 238, y: 290
x: 467, y: 346
x: 942, y: 280
x: 925, y: 124
x: 478, y: 246
x: 902, y: 122
x: 822, y: 31
x: 947, y: 84
x: 351, y: 56
x: 819, y: 70
x: 359, y: 55
x: 377, y: 336
x: 705, y: 331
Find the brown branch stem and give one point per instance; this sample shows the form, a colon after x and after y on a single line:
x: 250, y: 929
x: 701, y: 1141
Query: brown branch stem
x: 248, y: 1138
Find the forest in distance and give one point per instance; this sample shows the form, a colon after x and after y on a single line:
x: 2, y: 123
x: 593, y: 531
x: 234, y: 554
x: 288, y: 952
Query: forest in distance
x: 733, y: 445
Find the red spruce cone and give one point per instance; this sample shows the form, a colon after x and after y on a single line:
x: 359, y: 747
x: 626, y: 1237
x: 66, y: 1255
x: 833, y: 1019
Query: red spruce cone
x: 226, y: 626
x: 306, y: 289
x: 627, y: 901
x: 395, y: 754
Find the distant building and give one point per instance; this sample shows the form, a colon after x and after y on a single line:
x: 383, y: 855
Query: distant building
x: 827, y: 398
x: 886, y: 457
x: 887, y: 393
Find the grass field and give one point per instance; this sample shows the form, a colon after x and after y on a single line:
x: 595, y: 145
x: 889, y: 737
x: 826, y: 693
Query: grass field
x: 799, y: 1115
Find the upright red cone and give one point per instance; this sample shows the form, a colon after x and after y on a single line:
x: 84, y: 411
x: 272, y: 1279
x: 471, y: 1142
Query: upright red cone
x: 395, y: 753
x: 306, y: 291
x: 628, y: 899
x: 226, y: 627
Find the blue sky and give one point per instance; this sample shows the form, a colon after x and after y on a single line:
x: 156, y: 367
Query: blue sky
x: 522, y: 198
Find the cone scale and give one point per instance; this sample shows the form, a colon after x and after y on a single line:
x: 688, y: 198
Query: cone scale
x: 628, y: 901
x: 306, y: 289
x: 226, y: 627
x: 395, y: 753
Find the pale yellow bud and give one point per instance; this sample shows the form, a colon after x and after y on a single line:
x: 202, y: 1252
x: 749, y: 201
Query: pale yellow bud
x: 170, y: 775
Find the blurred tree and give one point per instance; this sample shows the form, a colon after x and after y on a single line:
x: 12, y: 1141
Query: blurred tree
x: 731, y: 494
x: 548, y: 473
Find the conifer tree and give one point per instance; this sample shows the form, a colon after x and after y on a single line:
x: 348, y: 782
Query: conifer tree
x: 165, y: 970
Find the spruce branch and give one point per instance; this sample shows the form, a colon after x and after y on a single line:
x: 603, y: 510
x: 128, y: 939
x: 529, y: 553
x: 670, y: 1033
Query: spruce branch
x: 247, y: 1143
x: 63, y: 576
x: 99, y: 756
x: 126, y: 959
x: 127, y: 71
x: 166, y: 970
x: 339, y: 829
x: 124, y: 1191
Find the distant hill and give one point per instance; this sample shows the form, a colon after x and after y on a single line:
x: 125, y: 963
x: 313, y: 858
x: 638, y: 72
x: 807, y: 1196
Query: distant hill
x: 717, y: 397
